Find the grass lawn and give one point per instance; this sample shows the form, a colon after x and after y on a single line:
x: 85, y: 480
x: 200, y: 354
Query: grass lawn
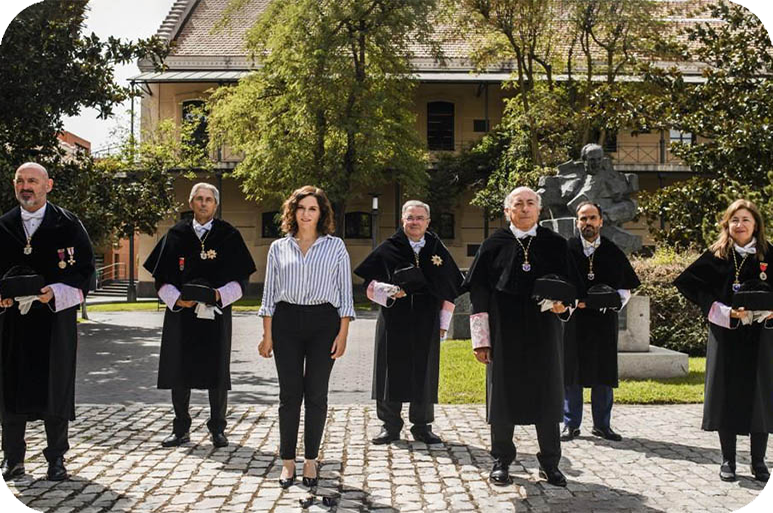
x: 463, y: 380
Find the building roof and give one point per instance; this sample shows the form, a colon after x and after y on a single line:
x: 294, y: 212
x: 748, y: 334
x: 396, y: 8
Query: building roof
x: 197, y: 46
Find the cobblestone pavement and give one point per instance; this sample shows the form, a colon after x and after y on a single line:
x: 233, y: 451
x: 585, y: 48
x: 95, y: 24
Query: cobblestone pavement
x: 665, y: 463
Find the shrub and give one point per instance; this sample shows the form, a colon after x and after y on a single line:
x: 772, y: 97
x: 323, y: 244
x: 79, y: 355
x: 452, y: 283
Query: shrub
x: 675, y: 323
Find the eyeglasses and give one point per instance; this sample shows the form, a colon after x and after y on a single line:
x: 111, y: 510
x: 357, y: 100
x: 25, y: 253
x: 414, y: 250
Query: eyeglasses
x: 411, y: 219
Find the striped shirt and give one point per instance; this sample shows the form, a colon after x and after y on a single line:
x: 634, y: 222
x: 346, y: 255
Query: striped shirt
x: 323, y: 276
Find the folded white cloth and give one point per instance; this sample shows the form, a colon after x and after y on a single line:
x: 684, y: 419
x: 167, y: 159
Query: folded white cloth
x: 756, y: 316
x: 25, y: 303
x: 545, y: 305
x: 206, y: 311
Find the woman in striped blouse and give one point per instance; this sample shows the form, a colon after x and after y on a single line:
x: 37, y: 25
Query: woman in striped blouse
x: 306, y: 309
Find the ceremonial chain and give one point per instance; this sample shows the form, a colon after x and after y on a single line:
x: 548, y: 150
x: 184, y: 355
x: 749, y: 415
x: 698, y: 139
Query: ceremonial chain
x: 28, y: 247
x: 211, y: 254
x: 526, y: 265
x: 736, y: 283
x: 591, y: 276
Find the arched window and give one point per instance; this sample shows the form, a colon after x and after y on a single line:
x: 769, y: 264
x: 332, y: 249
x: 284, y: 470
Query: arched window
x: 271, y: 225
x: 440, y: 126
x: 443, y: 226
x: 194, y: 111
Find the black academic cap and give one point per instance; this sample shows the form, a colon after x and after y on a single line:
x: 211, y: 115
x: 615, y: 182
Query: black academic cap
x: 553, y: 287
x: 754, y: 295
x: 603, y: 296
x: 199, y: 290
x: 21, y: 280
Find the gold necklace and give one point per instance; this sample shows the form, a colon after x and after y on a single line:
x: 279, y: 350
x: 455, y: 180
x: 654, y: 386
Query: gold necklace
x: 591, y: 275
x: 526, y: 266
x: 737, y: 283
x: 28, y: 247
x: 207, y: 255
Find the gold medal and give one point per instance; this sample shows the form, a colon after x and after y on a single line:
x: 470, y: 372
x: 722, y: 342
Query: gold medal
x: 436, y: 260
x: 203, y: 255
x: 62, y: 264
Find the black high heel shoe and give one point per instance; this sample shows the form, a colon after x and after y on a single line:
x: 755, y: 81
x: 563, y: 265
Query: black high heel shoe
x: 312, y: 482
x: 287, y: 482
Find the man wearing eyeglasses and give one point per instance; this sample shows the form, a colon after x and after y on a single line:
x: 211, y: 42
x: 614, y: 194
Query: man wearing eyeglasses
x: 412, y: 276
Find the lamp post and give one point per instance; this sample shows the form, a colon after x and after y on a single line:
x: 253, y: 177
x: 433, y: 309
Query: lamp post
x: 374, y: 218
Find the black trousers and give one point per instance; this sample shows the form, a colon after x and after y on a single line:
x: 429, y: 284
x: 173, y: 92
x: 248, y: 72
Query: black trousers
x: 218, y: 404
x: 421, y: 415
x: 548, y: 437
x: 14, y: 446
x: 759, y: 445
x: 303, y: 337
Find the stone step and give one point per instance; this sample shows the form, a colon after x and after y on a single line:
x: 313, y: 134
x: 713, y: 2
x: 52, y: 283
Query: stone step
x: 657, y: 363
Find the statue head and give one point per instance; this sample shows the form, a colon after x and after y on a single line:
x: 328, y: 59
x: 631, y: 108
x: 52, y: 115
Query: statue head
x: 592, y: 155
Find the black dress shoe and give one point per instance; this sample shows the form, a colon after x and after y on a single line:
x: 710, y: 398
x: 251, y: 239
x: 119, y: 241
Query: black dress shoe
x: 606, y: 433
x: 760, y: 471
x: 426, y: 435
x: 219, y: 440
x: 56, y: 470
x: 175, y: 440
x: 569, y: 433
x: 385, y: 437
x: 500, y: 474
x: 12, y: 470
x: 287, y: 482
x: 553, y: 476
x: 727, y: 471
x: 312, y: 482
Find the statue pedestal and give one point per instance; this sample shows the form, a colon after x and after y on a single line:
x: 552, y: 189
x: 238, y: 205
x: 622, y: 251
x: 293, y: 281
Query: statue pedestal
x: 636, y: 358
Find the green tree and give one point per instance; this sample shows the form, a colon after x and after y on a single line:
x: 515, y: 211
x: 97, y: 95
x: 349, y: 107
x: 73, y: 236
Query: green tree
x: 731, y: 115
x: 332, y: 101
x: 50, y: 70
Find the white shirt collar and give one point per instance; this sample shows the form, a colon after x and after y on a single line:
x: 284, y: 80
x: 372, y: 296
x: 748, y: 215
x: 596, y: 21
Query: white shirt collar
x: 531, y: 232
x: 749, y: 249
x: 38, y: 214
x: 416, y: 246
x: 589, y: 247
x: 198, y: 228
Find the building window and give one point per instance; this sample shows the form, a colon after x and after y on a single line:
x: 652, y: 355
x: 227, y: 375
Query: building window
x: 472, y: 249
x: 194, y: 112
x: 677, y: 136
x: 610, y: 142
x: 443, y: 226
x: 186, y: 216
x: 357, y: 225
x: 480, y: 125
x: 271, y: 225
x: 440, y: 126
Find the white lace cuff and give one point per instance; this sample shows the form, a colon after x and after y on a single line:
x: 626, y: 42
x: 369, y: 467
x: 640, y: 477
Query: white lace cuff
x: 380, y: 293
x: 169, y: 295
x: 480, y: 331
x: 65, y: 296
x: 230, y: 293
x: 446, y: 313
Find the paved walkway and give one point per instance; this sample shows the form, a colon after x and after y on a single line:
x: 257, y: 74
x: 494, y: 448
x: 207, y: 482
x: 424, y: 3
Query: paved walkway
x: 117, y: 464
x: 665, y: 463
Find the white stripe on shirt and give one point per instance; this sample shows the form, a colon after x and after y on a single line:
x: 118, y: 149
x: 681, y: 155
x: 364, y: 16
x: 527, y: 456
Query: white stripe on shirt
x: 323, y: 276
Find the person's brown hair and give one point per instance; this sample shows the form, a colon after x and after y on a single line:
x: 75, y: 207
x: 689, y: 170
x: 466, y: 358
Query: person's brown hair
x: 326, y: 223
x: 724, y: 243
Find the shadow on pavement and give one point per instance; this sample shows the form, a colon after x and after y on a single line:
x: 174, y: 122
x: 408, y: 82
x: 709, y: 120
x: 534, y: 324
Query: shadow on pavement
x: 72, y: 495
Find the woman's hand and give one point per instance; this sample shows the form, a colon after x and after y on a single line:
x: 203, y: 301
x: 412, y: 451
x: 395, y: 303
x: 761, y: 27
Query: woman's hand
x: 483, y: 354
x: 339, y: 346
x: 266, y: 347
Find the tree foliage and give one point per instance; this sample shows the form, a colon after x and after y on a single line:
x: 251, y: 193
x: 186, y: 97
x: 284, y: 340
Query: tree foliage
x: 331, y: 103
x: 50, y: 70
x: 731, y: 114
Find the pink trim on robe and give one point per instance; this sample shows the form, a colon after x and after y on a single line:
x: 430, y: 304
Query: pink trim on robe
x: 479, y: 329
x: 65, y: 296
x: 169, y: 294
x: 720, y: 314
x: 230, y: 293
x: 446, y: 313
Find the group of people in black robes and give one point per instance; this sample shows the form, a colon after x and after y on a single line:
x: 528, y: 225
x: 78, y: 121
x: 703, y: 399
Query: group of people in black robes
x: 540, y: 351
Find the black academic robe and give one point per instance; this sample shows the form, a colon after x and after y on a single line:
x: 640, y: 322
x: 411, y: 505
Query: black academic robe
x: 37, y: 357
x: 525, y: 379
x: 407, y: 355
x: 196, y: 353
x: 590, y: 337
x: 739, y: 361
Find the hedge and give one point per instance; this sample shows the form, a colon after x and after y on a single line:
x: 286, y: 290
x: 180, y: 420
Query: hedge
x: 675, y: 323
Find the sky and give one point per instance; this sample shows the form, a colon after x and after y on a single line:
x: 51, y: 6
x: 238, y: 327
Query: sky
x: 126, y: 19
